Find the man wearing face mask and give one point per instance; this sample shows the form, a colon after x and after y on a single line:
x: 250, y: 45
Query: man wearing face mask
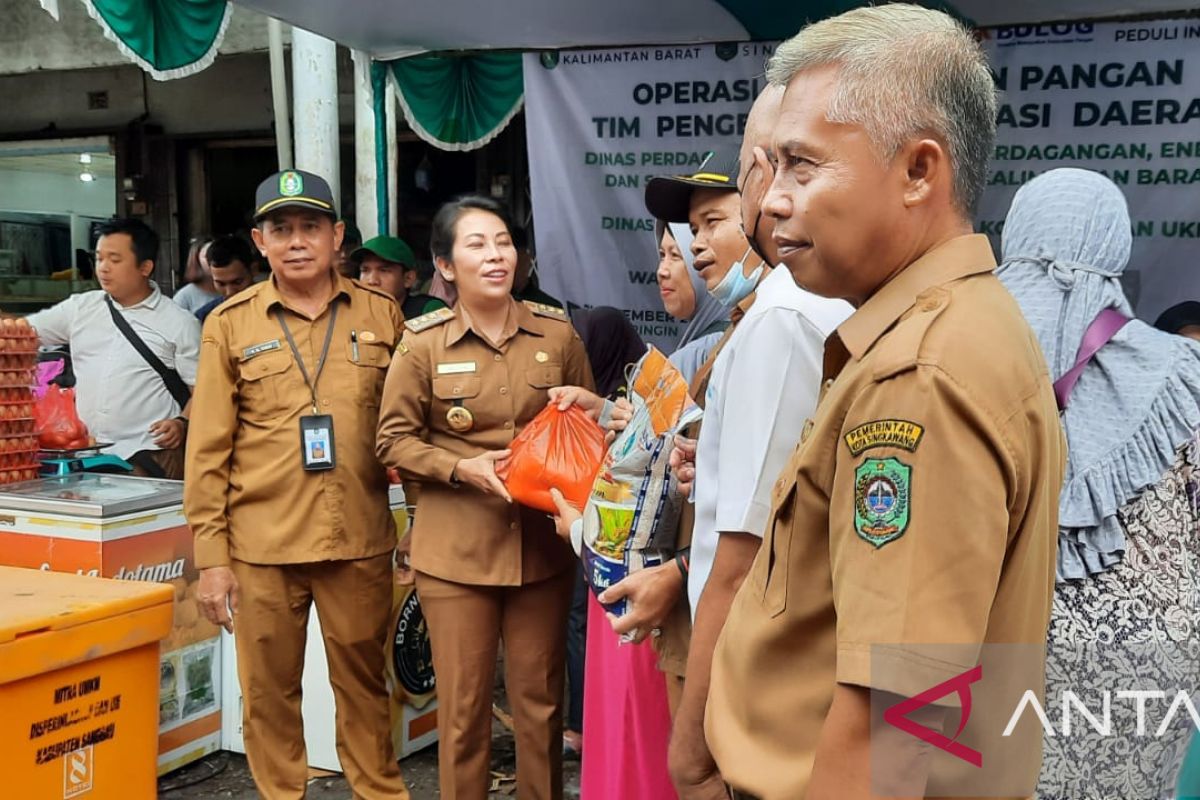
x: 763, y: 386
x: 658, y: 597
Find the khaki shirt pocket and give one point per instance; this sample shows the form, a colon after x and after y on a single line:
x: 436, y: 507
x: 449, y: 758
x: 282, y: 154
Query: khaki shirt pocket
x: 452, y: 390
x: 546, y: 376
x: 262, y: 385
x: 456, y: 387
x: 372, y: 360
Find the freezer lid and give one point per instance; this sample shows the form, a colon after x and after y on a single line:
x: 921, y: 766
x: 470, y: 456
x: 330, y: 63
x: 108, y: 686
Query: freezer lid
x: 51, y: 620
x: 91, y: 495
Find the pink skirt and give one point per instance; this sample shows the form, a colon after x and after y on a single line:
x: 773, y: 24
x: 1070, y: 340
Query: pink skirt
x: 626, y: 719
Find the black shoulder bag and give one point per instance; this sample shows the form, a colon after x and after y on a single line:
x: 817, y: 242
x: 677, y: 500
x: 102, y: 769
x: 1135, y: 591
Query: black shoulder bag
x: 175, y: 384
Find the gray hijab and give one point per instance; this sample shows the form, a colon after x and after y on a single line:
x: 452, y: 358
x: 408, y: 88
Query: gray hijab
x: 1066, y: 242
x: 710, y: 316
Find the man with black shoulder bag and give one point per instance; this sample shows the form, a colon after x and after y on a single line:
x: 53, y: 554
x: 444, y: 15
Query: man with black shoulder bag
x: 134, y: 353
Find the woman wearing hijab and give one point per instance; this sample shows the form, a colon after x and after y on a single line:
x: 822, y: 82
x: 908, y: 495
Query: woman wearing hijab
x: 685, y: 298
x: 1128, y: 555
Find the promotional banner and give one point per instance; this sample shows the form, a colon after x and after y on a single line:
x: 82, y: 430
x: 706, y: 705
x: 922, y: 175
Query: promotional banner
x: 1121, y: 98
x: 600, y: 123
x: 1118, y: 98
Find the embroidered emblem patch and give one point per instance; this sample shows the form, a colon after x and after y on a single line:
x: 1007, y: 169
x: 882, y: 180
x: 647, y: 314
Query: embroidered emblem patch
x: 882, y: 499
x: 884, y: 433
x: 290, y: 184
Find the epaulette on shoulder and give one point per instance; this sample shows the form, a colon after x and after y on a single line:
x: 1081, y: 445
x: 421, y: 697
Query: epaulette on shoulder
x: 550, y: 312
x: 372, y: 289
x: 430, y: 320
x: 901, y: 347
x: 241, y: 298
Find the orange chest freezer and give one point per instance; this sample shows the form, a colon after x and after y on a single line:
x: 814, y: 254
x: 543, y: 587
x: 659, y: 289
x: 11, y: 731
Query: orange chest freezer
x: 78, y: 688
x: 131, y: 529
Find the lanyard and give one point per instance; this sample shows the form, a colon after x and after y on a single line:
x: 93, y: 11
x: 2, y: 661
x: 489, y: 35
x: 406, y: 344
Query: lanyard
x: 311, y: 384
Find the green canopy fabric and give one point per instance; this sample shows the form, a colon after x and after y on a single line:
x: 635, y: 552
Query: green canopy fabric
x: 167, y: 38
x: 459, y: 102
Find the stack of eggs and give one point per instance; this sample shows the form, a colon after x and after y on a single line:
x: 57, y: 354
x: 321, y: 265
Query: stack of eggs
x: 18, y: 363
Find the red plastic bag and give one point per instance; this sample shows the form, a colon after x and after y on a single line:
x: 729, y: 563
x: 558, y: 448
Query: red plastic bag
x: 557, y: 450
x: 58, y: 425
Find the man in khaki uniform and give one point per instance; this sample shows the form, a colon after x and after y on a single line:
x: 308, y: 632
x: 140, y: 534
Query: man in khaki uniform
x: 279, y: 526
x: 920, y: 507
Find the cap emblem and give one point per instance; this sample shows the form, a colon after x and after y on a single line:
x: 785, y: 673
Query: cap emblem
x: 290, y: 184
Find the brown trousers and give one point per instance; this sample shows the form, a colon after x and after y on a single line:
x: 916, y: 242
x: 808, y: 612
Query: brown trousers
x: 353, y: 600
x: 466, y: 625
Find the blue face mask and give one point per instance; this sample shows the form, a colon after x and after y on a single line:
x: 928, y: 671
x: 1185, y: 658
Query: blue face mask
x: 735, y: 286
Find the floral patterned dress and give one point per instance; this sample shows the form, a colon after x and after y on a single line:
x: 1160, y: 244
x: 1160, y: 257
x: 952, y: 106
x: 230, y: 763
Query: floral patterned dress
x: 1134, y: 627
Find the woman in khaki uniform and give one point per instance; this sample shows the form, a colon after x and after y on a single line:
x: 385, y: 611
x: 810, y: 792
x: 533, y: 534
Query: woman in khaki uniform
x: 464, y: 382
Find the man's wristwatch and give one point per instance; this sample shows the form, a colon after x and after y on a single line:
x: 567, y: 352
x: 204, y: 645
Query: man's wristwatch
x: 184, y: 420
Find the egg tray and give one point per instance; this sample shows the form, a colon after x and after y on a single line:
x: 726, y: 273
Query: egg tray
x: 19, y: 460
x: 18, y: 343
x: 7, y: 442
x: 11, y: 395
x: 16, y: 412
x: 18, y: 378
x: 17, y: 362
x: 25, y: 472
x: 17, y: 427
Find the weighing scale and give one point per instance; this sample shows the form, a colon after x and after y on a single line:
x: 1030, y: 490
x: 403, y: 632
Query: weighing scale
x: 85, y: 459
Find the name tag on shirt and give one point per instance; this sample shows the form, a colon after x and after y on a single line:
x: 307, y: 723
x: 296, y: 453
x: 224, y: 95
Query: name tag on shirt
x: 251, y: 352
x: 456, y: 368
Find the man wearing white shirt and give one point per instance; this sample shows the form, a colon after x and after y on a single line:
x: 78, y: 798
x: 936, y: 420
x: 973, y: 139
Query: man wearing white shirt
x: 764, y: 385
x: 119, y: 396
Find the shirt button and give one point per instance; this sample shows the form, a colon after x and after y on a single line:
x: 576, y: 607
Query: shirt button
x: 514, y: 525
x: 503, y: 390
x: 457, y: 390
x: 498, y: 357
x: 508, y: 426
x: 829, y: 384
x: 324, y: 402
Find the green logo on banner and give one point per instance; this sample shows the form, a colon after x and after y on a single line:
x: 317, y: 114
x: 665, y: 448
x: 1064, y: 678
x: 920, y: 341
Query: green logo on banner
x: 549, y: 59
x: 290, y: 184
x: 882, y: 499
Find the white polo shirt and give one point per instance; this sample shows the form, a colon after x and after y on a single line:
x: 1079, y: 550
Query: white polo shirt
x: 117, y: 394
x: 763, y: 387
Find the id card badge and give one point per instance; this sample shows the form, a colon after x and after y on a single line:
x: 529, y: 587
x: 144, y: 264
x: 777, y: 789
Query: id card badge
x: 316, y: 442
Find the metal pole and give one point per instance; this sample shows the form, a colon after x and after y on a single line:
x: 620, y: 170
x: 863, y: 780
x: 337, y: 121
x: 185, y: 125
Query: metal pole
x: 279, y: 95
x: 315, y: 104
x: 393, y: 110
x: 366, y: 205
